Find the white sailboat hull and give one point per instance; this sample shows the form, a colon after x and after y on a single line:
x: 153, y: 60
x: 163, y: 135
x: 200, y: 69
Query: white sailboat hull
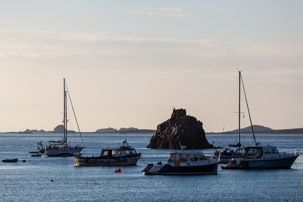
x: 63, y: 152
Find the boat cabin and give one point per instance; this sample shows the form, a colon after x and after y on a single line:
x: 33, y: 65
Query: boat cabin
x: 109, y: 153
x: 177, y: 159
x: 257, y: 152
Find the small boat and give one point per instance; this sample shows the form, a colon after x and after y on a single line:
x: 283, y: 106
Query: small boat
x: 121, y: 156
x: 10, y: 160
x: 184, y: 163
x: 227, y: 154
x: 36, y: 155
x: 60, y: 148
x: 259, y: 157
x: 40, y: 148
x: 33, y: 152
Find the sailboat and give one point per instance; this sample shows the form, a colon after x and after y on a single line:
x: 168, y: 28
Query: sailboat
x: 258, y: 156
x: 60, y: 148
x: 236, y: 150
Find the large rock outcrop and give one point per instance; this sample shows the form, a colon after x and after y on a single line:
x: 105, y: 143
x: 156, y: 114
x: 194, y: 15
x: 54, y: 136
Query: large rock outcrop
x: 180, y: 128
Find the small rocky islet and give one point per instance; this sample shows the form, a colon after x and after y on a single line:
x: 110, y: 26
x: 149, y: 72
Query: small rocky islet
x: 180, y: 129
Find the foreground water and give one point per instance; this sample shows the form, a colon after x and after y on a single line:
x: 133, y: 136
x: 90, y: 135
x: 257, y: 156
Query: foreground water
x: 31, y: 181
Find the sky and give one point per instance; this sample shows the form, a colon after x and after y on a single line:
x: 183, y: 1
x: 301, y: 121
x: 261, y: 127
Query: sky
x: 129, y: 63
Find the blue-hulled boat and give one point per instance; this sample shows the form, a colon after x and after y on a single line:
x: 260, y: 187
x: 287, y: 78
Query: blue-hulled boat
x: 256, y: 157
x: 10, y: 160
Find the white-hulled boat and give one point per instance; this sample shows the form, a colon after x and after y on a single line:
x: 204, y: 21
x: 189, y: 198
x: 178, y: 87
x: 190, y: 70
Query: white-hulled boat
x: 121, y: 156
x: 60, y: 148
x: 184, y: 162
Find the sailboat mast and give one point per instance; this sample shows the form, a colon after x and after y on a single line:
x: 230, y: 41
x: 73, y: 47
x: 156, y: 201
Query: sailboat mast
x: 239, y: 127
x: 64, y: 112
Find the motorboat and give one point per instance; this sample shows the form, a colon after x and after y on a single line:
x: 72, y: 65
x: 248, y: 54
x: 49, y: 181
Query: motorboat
x: 262, y: 157
x: 33, y: 152
x: 36, y: 155
x: 121, y: 156
x: 10, y: 160
x: 257, y: 156
x: 184, y: 162
x: 60, y: 148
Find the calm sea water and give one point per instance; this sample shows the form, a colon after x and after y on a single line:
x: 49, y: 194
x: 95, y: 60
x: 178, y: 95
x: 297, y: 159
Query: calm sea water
x: 31, y: 181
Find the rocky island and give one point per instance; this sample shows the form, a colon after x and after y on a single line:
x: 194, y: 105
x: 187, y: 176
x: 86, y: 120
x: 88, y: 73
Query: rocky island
x: 107, y: 130
x: 124, y: 130
x: 180, y: 129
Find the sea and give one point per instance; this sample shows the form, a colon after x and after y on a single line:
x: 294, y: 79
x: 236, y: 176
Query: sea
x: 56, y: 178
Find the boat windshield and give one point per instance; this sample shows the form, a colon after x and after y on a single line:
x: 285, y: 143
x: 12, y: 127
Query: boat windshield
x: 130, y: 152
x: 193, y: 157
x: 178, y: 157
x: 202, y: 157
x: 271, y: 150
x: 253, y: 152
x: 107, y: 153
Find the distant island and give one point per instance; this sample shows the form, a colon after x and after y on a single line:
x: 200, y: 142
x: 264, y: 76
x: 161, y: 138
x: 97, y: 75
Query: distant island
x: 33, y: 131
x: 60, y: 129
x: 124, y: 130
x: 57, y: 129
x: 107, y: 130
x: 258, y: 129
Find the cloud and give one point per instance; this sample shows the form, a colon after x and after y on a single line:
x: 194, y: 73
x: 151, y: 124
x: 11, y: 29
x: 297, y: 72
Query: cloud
x: 33, y: 44
x: 176, y: 12
x: 18, y: 45
x: 148, y: 68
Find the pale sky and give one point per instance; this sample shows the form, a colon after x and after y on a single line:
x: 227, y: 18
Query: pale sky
x: 129, y: 63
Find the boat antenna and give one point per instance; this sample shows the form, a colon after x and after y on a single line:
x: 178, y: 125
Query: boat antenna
x: 71, y: 103
x: 251, y: 125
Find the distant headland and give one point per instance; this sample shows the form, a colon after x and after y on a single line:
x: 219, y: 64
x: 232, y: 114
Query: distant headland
x: 258, y: 129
